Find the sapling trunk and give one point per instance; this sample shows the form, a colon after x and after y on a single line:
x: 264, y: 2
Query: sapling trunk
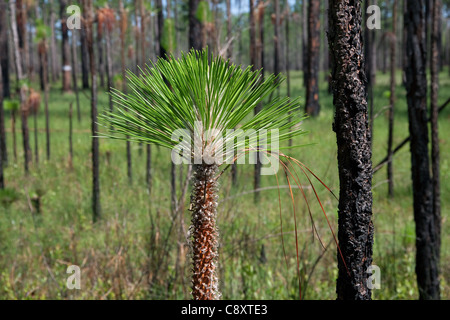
x: 205, y: 236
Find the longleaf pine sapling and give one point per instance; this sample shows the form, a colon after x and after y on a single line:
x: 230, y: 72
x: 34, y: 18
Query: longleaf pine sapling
x: 192, y: 105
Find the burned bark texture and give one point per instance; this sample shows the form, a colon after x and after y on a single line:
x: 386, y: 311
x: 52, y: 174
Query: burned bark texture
x: 427, y: 252
x: 355, y: 233
x: 312, y: 106
x: 204, y: 233
x: 96, y: 207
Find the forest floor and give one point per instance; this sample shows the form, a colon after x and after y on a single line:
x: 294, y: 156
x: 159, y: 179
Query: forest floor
x: 138, y: 249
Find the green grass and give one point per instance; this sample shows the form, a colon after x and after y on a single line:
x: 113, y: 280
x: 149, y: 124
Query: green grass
x: 137, y: 251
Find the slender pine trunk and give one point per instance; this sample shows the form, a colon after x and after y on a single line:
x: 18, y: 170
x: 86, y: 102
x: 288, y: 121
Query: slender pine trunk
x: 96, y: 207
x: 435, y: 150
x: 427, y: 237
x: 390, y: 166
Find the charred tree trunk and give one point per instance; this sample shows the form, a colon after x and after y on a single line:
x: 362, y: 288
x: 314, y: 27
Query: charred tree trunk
x: 205, y: 234
x: 305, y: 40
x: 390, y: 173
x: 354, y: 154
x: 74, y: 74
x: 435, y: 157
x: 96, y: 208
x: 4, y: 79
x: 65, y: 48
x: 123, y: 29
x: 427, y: 238
x: 2, y: 130
x: 312, y: 106
x: 195, y: 27
x: 4, y: 50
x: 84, y: 58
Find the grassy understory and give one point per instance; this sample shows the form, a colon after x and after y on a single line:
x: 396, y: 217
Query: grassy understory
x: 139, y: 250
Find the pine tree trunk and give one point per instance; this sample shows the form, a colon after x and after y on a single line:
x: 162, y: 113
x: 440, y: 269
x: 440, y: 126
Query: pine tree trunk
x: 54, y: 60
x: 355, y: 233
x: 96, y: 207
x: 305, y: 39
x: 4, y: 79
x: 205, y: 236
x: 390, y: 165
x: 4, y: 50
x: 427, y: 238
x: 74, y: 73
x: 65, y: 49
x: 84, y: 58
x: 435, y: 152
x: 312, y: 106
x: 2, y: 128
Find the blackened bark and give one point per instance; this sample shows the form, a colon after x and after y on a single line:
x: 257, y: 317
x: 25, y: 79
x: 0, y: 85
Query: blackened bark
x: 4, y: 79
x: 390, y: 166
x: 305, y: 40
x: 312, y: 106
x: 74, y: 61
x: 2, y: 131
x: 435, y: 157
x: 96, y: 207
x: 195, y: 27
x: 427, y: 253
x: 123, y: 28
x: 4, y: 49
x: 84, y: 59
x: 276, y: 39
x: 354, y: 154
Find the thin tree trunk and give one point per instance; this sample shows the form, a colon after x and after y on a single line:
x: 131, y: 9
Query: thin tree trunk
x: 4, y: 79
x: 84, y: 58
x: 312, y: 106
x: 390, y: 173
x: 65, y: 48
x: 427, y: 237
x: 36, y: 147
x: 123, y: 29
x: 305, y: 39
x: 54, y: 60
x: 13, y: 129
x: 205, y: 235
x: 4, y: 51
x: 74, y: 74
x: 101, y: 62
x: 355, y: 233
x: 2, y: 126
x: 96, y: 207
x: 44, y: 67
x: 70, y: 133
x: 326, y: 54
x: 23, y: 89
x: 435, y: 66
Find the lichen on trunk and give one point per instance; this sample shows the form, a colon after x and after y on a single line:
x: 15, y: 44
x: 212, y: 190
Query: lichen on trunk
x: 205, y: 235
